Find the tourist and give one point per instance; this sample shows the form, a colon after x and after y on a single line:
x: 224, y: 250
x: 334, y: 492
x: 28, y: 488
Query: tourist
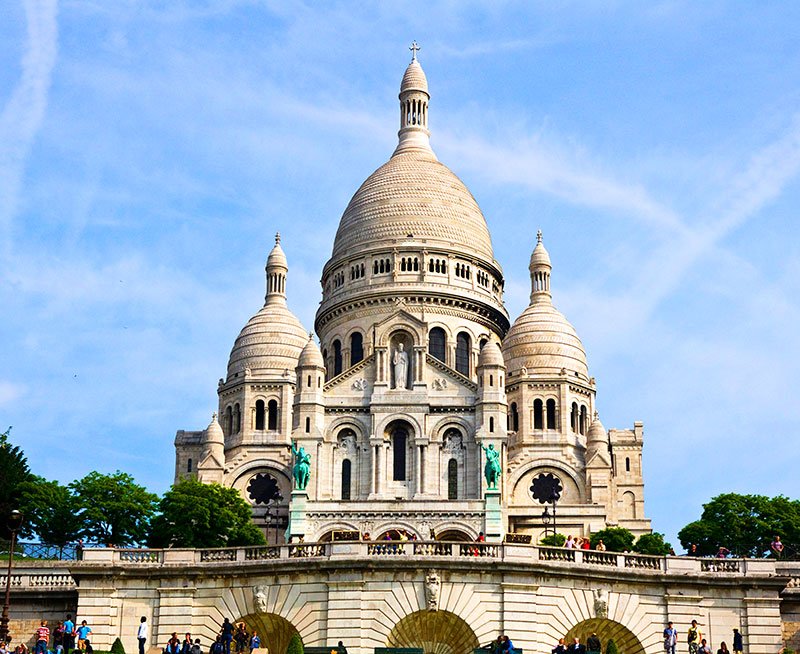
x: 69, y: 635
x: 704, y: 648
x: 186, y: 646
x: 738, y: 644
x: 561, y: 648
x: 593, y: 645
x: 227, y: 635
x: 255, y: 641
x: 693, y: 638
x: 776, y: 547
x: 601, y: 546
x: 141, y: 634
x: 723, y: 648
x: 42, y: 638
x: 570, y: 544
x: 83, y: 633
x: 241, y: 638
x: 576, y: 647
x: 670, y: 638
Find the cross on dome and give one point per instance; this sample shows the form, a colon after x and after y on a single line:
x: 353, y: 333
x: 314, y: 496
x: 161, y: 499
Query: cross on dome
x: 414, y: 47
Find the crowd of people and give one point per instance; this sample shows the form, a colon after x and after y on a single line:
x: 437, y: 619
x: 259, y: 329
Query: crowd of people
x: 65, y: 638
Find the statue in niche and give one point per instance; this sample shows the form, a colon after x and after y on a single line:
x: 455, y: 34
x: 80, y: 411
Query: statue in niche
x: 600, y: 603
x: 432, y: 586
x: 400, y: 362
x: 260, y: 594
x: 492, y: 468
x: 302, y: 466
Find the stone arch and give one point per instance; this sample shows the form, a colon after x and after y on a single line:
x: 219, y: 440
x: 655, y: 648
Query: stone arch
x: 555, y: 466
x: 435, y: 632
x: 606, y: 630
x: 274, y: 630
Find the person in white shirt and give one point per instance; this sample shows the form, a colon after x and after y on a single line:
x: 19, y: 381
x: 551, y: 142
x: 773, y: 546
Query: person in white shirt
x: 141, y: 634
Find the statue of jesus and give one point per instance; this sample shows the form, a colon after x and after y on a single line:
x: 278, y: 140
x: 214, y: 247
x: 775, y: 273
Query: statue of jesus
x: 400, y: 361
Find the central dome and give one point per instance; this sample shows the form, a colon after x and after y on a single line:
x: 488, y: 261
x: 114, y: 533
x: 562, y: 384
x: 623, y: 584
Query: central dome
x: 413, y: 197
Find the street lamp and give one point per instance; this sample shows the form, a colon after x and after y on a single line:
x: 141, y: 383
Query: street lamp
x: 13, y: 523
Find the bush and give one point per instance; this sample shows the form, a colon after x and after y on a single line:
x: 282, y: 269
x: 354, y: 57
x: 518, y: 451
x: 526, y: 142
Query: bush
x: 611, y: 648
x: 295, y: 645
x: 616, y: 539
x: 117, y: 647
x: 553, y: 540
x: 652, y: 544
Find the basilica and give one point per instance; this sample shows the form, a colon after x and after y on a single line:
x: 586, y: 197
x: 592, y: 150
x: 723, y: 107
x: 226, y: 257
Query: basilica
x: 417, y: 374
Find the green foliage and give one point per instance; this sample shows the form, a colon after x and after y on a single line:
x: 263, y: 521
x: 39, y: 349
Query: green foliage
x: 193, y: 514
x: 553, y: 540
x: 616, y: 539
x: 295, y: 645
x: 652, y: 544
x: 745, y: 524
x: 49, y: 510
x: 14, y: 472
x: 117, y: 647
x: 611, y: 648
x: 113, y: 509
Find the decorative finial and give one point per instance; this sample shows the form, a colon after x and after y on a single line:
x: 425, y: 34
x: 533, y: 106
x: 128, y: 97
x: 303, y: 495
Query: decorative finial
x: 539, y: 236
x: 414, y: 48
x: 277, y: 238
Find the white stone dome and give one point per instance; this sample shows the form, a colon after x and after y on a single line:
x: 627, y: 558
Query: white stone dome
x: 413, y: 198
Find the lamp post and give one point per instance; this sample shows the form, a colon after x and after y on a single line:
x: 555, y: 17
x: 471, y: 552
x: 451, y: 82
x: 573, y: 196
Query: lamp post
x: 13, y: 523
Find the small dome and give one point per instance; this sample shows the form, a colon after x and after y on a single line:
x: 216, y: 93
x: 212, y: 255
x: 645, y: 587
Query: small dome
x: 311, y: 357
x: 544, y: 342
x: 213, y: 433
x: 414, y: 79
x: 269, y: 344
x: 491, y: 355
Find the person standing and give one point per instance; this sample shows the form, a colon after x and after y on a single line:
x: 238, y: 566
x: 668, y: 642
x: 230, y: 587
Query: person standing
x: 42, y: 638
x: 69, y: 635
x: 141, y: 634
x: 670, y: 638
x: 738, y: 644
x: 693, y: 637
x: 83, y: 635
x: 593, y: 645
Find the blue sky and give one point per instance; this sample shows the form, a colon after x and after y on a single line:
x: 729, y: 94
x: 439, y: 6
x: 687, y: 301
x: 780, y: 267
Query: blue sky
x: 149, y: 151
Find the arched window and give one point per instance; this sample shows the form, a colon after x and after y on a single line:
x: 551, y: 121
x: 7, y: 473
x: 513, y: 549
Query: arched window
x: 356, y: 348
x: 308, y: 425
x: 573, y: 417
x: 272, y: 417
x: 491, y: 424
x: 452, y: 479
x: 237, y: 418
x: 551, y: 414
x: 227, y: 422
x: 514, y: 417
x: 462, y: 353
x: 399, y: 454
x: 538, y: 415
x: 346, y: 479
x: 189, y: 465
x: 337, y: 357
x: 584, y: 419
x: 259, y: 414
x: 437, y: 343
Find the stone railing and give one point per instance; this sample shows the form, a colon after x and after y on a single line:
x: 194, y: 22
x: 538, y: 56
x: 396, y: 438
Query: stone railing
x: 509, y: 552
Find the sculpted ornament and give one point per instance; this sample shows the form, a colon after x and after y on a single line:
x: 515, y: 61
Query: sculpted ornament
x: 260, y: 594
x: 432, y: 586
x: 600, y: 603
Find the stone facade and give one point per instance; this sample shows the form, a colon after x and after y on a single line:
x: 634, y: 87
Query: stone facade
x: 418, y: 369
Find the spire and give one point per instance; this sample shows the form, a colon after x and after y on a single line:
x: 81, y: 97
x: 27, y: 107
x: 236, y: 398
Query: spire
x: 276, y: 268
x: 540, y: 268
x: 414, y: 99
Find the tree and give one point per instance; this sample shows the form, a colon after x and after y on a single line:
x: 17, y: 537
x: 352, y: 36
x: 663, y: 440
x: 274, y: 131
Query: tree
x: 295, y: 645
x: 745, y: 524
x: 652, y: 544
x: 194, y: 514
x: 113, y: 509
x: 553, y: 540
x: 616, y: 539
x: 50, y: 510
x: 14, y: 472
